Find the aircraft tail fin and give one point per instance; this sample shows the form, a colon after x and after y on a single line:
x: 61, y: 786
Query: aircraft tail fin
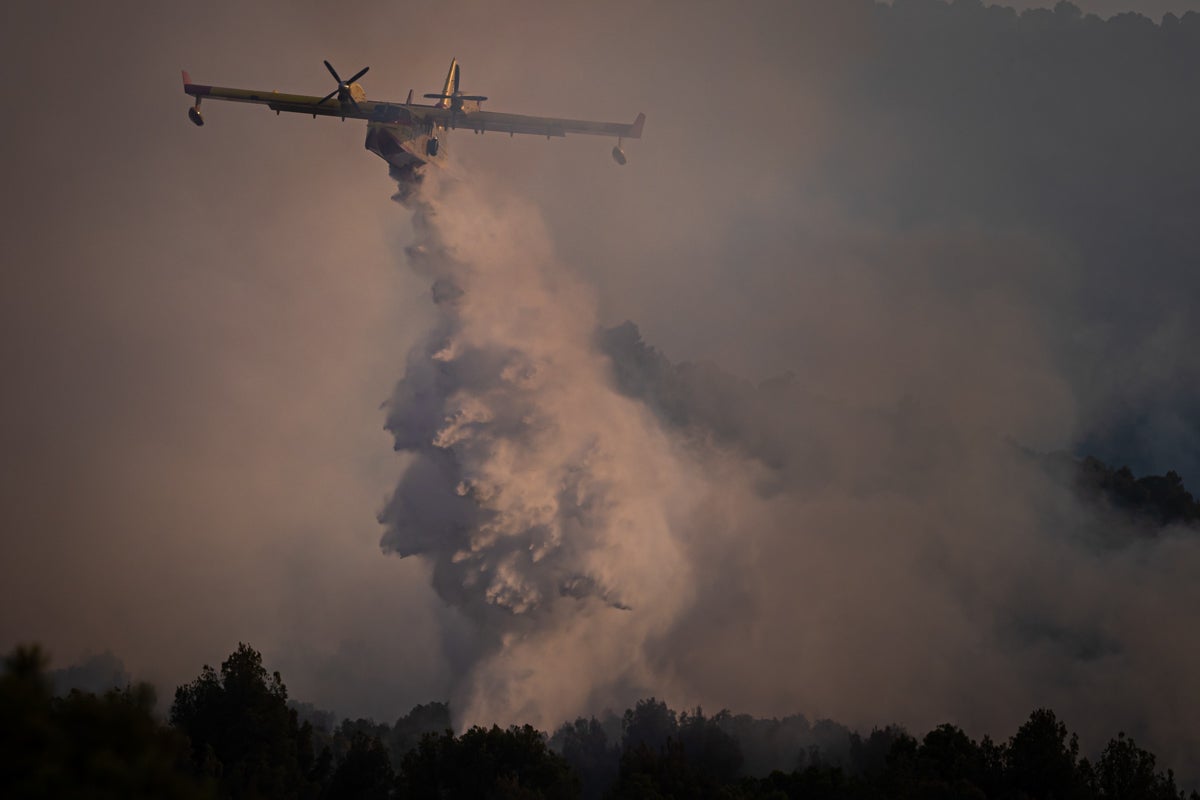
x: 451, y: 86
x: 638, y: 123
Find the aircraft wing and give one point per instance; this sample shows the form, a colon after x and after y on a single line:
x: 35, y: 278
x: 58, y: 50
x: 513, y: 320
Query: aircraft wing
x: 277, y: 101
x: 487, y: 121
x: 481, y: 121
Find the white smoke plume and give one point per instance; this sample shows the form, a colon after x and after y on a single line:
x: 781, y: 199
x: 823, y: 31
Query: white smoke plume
x: 549, y: 504
x: 864, y: 541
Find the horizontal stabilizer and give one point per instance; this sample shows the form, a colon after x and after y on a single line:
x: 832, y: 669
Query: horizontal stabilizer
x: 478, y: 98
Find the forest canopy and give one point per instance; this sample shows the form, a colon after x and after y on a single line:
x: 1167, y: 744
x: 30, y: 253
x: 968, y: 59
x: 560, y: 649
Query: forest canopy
x: 232, y: 733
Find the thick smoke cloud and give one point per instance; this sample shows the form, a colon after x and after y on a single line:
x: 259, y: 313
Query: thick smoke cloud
x: 866, y: 537
x: 965, y: 232
x: 550, y: 505
x: 1061, y: 140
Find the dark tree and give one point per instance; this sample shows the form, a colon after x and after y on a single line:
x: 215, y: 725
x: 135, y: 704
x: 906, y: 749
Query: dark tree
x: 486, y: 763
x: 649, y: 723
x: 658, y: 773
x: 700, y: 761
x: 1041, y: 761
x: 243, y: 732
x: 584, y: 745
x: 1126, y: 771
x: 781, y: 744
x: 869, y: 756
x: 365, y: 773
x: 717, y: 756
x: 811, y: 783
x: 947, y: 764
x: 901, y: 775
x: 952, y: 759
x: 84, y: 745
x: 350, y: 730
x: 408, y: 730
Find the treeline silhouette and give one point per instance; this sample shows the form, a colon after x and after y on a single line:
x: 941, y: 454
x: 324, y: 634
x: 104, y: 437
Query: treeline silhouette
x: 1160, y: 500
x: 232, y: 734
x: 1147, y: 505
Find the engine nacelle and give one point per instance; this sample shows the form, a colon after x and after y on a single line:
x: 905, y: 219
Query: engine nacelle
x: 432, y: 146
x: 194, y: 116
x: 618, y: 155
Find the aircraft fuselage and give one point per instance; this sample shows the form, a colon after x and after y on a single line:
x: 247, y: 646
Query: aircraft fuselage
x: 402, y: 145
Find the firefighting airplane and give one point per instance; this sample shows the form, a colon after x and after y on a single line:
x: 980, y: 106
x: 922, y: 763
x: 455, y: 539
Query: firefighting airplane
x: 406, y: 135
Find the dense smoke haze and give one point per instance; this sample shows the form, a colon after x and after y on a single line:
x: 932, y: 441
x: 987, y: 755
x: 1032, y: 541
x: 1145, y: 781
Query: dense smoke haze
x: 757, y: 421
x: 550, y: 505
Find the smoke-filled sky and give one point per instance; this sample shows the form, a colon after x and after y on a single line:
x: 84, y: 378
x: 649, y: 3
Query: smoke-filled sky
x: 880, y: 253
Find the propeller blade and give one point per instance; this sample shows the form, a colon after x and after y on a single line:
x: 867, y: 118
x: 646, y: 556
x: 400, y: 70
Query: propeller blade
x: 476, y: 97
x: 439, y: 96
x: 332, y: 71
x: 326, y: 97
x: 355, y: 104
x: 358, y: 74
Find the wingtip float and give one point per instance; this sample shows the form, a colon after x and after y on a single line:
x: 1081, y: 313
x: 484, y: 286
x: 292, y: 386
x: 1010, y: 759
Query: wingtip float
x: 408, y: 135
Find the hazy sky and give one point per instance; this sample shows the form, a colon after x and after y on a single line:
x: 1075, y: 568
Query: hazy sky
x: 952, y: 244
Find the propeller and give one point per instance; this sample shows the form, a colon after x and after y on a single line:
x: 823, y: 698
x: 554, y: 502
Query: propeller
x: 343, y: 86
